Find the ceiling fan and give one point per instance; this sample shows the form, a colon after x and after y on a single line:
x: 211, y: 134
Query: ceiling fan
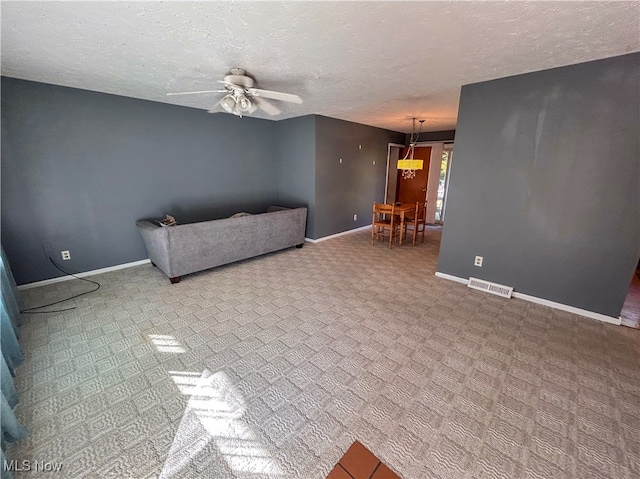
x: 242, y: 98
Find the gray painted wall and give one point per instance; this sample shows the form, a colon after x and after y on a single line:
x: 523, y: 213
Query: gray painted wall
x: 351, y: 187
x: 546, y: 184
x: 295, y: 156
x: 79, y: 168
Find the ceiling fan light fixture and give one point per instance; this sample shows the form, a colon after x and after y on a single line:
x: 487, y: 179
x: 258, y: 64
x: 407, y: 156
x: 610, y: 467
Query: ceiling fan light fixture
x: 229, y: 104
x: 243, y: 103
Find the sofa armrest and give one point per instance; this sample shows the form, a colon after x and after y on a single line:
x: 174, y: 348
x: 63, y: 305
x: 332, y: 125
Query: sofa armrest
x: 156, y: 240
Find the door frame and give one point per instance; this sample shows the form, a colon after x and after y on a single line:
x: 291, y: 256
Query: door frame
x: 432, y: 184
x: 449, y: 147
x: 386, y: 179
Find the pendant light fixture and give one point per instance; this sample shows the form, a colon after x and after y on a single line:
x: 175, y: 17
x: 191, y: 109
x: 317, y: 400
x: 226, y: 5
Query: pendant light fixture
x: 408, y: 165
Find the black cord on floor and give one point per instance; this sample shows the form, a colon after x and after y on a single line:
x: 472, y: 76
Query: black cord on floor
x: 31, y: 310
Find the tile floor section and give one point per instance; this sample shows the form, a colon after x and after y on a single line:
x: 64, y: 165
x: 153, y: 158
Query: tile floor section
x: 360, y: 463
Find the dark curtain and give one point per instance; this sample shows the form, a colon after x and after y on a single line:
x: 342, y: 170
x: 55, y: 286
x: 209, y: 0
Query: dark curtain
x: 12, y: 357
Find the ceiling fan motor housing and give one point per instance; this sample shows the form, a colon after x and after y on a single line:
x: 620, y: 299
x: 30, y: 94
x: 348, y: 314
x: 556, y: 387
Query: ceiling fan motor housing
x: 239, y: 80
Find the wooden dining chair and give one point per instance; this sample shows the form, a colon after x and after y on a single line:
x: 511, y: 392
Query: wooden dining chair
x: 420, y: 225
x: 383, y: 220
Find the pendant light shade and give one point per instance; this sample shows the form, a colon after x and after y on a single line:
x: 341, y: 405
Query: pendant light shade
x: 408, y: 165
x: 229, y: 104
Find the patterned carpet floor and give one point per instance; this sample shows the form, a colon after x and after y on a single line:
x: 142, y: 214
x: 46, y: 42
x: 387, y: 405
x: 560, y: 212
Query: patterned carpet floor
x: 273, y: 367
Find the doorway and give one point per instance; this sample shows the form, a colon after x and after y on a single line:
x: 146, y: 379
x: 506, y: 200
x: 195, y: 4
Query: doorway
x: 429, y: 181
x: 414, y: 190
x: 423, y: 188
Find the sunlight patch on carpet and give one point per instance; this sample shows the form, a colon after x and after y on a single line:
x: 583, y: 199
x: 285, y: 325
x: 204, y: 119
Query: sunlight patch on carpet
x: 215, y: 416
x: 166, y: 344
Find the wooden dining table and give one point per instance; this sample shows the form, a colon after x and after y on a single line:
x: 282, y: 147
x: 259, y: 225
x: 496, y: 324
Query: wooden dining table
x: 402, y: 210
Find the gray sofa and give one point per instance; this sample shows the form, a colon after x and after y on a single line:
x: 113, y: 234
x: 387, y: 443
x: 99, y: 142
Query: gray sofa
x: 183, y: 249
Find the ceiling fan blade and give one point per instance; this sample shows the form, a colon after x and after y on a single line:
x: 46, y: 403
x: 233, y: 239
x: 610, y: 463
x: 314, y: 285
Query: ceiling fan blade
x: 254, y: 107
x: 266, y: 106
x: 274, y: 95
x: 195, y: 92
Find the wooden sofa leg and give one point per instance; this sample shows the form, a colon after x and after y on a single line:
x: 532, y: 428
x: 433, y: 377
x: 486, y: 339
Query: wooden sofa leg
x: 299, y: 245
x: 175, y: 280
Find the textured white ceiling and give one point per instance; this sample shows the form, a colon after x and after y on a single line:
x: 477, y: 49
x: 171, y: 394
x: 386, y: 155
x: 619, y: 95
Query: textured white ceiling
x: 376, y: 63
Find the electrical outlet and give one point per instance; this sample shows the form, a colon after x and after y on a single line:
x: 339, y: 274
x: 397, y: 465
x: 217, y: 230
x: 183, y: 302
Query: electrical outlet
x: 355, y: 217
x: 340, y: 160
x: 374, y: 162
x: 359, y: 147
x: 65, y: 255
x: 478, y: 261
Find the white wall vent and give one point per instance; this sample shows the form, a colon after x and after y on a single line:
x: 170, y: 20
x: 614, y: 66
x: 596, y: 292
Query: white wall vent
x: 493, y: 288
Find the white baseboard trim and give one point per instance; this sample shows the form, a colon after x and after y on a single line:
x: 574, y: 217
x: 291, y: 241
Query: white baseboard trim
x: 82, y: 275
x: 324, y: 238
x: 452, y: 278
x: 570, y: 309
x: 545, y: 302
